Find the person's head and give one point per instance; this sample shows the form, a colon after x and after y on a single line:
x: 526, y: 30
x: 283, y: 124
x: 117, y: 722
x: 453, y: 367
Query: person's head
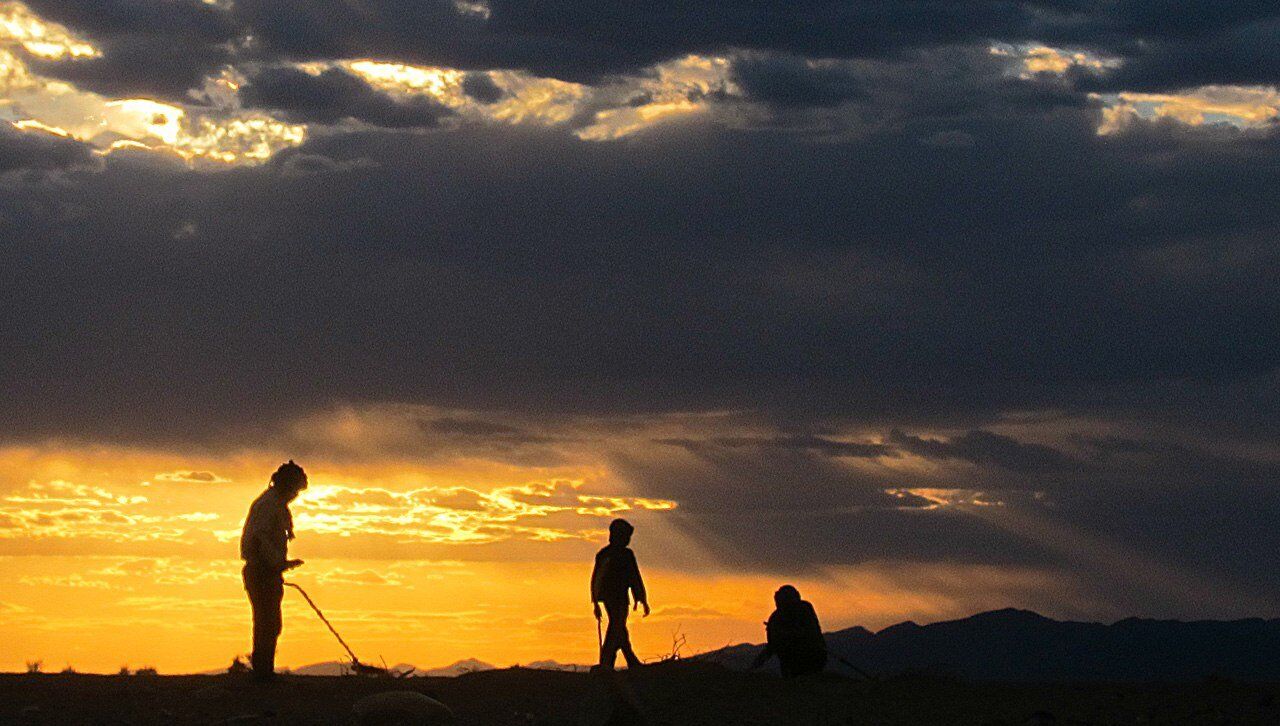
x: 786, y: 595
x: 620, y: 531
x: 289, y: 480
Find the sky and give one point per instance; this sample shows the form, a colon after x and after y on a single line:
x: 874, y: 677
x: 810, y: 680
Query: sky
x: 924, y: 307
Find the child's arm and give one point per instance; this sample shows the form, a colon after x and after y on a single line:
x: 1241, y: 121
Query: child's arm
x: 595, y: 587
x: 637, y: 586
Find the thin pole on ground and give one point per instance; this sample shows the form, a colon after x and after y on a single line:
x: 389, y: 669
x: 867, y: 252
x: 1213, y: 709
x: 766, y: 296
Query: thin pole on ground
x: 325, y: 620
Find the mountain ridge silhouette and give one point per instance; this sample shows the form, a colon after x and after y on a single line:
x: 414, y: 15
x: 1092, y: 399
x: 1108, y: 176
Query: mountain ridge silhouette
x: 1021, y: 645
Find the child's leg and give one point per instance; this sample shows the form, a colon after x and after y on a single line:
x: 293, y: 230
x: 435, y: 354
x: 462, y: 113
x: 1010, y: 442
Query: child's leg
x: 616, y: 637
x: 618, y: 613
x: 608, y: 655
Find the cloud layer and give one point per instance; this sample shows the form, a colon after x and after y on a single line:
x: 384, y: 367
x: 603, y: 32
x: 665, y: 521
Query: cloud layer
x: 933, y: 283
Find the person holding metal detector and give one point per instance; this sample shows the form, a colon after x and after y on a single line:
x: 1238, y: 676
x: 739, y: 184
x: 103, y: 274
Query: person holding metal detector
x: 615, y: 578
x: 794, y: 635
x: 264, y: 547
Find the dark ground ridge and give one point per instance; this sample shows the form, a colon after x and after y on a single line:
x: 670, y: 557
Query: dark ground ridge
x: 673, y: 693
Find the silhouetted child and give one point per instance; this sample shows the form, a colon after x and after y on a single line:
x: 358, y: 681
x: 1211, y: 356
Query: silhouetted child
x: 794, y: 635
x: 614, y: 579
x: 264, y: 546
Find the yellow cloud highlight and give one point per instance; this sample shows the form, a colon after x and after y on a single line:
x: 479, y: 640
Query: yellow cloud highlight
x: 55, y: 499
x: 216, y: 131
x: 942, y: 497
x: 14, y: 77
x: 535, y: 100
x: 219, y: 131
x: 671, y: 91
x: 1044, y: 59
x: 462, y: 515
x: 1035, y: 59
x: 442, y: 83
x: 50, y: 41
x: 1243, y: 106
x: 196, y: 477
x: 619, y: 122
x: 528, y: 99
x: 139, y: 117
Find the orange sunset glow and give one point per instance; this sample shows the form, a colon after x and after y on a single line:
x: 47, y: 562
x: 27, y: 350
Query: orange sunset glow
x: 114, y: 556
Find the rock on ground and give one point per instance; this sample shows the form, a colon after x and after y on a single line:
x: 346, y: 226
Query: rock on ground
x: 401, y: 708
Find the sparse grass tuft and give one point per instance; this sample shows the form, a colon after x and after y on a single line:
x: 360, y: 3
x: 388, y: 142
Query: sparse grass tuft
x: 35, y: 666
x: 678, y: 643
x: 146, y: 671
x: 124, y: 670
x: 68, y: 671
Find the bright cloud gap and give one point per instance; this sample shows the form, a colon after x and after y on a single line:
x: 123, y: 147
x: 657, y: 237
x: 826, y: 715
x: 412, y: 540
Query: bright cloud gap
x: 216, y: 128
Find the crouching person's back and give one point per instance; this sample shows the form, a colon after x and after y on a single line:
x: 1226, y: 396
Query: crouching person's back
x: 794, y: 636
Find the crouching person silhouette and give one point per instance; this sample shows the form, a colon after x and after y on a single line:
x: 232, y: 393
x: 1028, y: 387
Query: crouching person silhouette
x: 264, y: 546
x: 614, y: 579
x: 794, y: 636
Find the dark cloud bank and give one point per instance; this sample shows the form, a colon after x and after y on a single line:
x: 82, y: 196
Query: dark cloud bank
x: 1170, y: 45
x: 967, y: 249
x: 335, y: 95
x: 882, y: 278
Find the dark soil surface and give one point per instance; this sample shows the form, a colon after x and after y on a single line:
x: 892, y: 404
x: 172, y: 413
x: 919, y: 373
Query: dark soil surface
x: 683, y: 693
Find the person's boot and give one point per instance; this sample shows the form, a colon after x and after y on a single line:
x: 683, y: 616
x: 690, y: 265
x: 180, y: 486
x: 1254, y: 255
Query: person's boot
x: 633, y: 661
x: 264, y: 669
x: 263, y: 677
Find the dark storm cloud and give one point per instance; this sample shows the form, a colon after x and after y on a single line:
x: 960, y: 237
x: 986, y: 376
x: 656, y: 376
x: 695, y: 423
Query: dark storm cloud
x: 581, y: 41
x: 950, y: 85
x: 21, y: 150
x: 789, y: 81
x: 1044, y: 266
x: 584, y: 40
x: 159, y: 49
x: 1228, y: 62
x: 190, y: 20
x: 481, y: 430
x: 795, y: 510
x: 817, y: 444
x: 480, y: 86
x: 165, y: 48
x: 334, y: 95
x: 155, y: 67
x: 469, y: 427
x: 1148, y: 534
x: 985, y: 447
x: 1184, y: 466
x: 748, y: 483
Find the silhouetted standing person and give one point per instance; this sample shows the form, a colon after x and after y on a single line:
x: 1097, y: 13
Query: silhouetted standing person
x: 794, y: 635
x: 264, y: 546
x: 615, y: 578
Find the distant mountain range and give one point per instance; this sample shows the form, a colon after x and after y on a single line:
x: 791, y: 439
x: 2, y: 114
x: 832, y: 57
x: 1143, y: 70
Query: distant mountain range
x: 1019, y: 645
x: 1006, y: 645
